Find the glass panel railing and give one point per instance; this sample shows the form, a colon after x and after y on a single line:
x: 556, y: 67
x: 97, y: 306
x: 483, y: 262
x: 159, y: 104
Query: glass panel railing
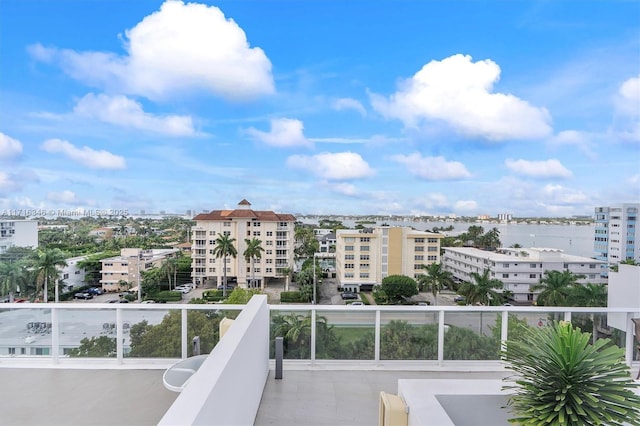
x: 87, y: 333
x: 409, y: 335
x: 152, y: 333
x: 25, y: 332
x: 345, y: 334
x: 295, y: 329
x: 472, y: 335
x: 205, y: 324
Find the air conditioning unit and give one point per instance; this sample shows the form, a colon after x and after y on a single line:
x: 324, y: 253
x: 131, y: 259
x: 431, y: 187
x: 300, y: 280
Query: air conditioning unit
x: 393, y: 410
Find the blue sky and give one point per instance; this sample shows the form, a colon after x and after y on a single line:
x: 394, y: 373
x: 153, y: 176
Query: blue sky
x: 333, y: 107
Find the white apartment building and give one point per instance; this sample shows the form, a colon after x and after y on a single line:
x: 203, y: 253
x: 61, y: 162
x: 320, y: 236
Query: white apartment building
x: 127, y: 267
x: 327, y: 242
x: 71, y: 275
x: 616, y: 233
x: 365, y: 257
x: 18, y: 233
x: 276, y: 231
x: 519, y: 268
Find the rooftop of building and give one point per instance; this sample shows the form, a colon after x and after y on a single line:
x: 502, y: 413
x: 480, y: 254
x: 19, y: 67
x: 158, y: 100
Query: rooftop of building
x: 522, y: 254
x: 245, y: 212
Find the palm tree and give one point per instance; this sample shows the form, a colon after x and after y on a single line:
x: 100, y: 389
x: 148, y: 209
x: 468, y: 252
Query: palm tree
x: 11, y: 275
x: 225, y: 248
x: 252, y: 252
x: 46, y: 263
x: 590, y: 295
x: 556, y: 287
x: 482, y: 290
x: 435, y: 279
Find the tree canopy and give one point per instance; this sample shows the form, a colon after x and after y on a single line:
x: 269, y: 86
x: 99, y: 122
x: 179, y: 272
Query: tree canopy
x: 398, y: 287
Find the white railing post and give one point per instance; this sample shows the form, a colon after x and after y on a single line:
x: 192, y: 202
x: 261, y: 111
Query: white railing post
x: 376, y: 344
x: 313, y: 334
x: 55, y: 335
x: 628, y: 347
x: 567, y: 316
x: 440, y: 337
x: 504, y: 331
x: 119, y: 337
x: 184, y: 335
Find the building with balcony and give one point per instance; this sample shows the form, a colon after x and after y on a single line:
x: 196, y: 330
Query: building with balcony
x: 616, y: 233
x: 120, y: 273
x: 276, y: 231
x: 71, y: 275
x: 365, y: 257
x: 518, y: 268
x: 18, y: 233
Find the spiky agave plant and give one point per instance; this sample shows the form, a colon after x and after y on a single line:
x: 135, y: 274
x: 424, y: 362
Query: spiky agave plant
x: 561, y: 379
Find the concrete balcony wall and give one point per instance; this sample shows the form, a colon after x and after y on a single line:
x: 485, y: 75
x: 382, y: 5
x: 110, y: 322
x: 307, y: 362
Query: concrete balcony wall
x: 227, y: 388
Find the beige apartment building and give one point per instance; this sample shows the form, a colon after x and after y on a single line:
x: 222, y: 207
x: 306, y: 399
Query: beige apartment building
x: 365, y: 257
x: 276, y: 231
x: 127, y: 268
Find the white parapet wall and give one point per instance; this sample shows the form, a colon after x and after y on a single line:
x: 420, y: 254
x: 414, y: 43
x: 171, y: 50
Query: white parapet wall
x: 227, y: 389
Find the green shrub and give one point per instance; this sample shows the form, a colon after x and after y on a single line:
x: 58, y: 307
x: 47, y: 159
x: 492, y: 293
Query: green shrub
x: 212, y: 295
x: 291, y: 297
x: 364, y: 299
x: 562, y: 379
x: 167, y: 296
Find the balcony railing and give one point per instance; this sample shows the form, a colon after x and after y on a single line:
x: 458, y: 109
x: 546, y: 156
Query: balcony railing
x: 372, y: 335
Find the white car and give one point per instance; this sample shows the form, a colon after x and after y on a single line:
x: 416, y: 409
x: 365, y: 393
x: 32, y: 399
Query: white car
x: 183, y: 289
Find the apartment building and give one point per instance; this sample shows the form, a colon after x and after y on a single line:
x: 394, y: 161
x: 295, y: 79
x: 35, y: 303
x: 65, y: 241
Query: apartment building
x: 18, y: 233
x: 71, y: 275
x: 365, y: 257
x: 276, y: 231
x: 519, y: 268
x: 615, y: 234
x: 123, y: 272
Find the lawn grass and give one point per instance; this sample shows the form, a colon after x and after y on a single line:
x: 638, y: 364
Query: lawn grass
x: 351, y: 334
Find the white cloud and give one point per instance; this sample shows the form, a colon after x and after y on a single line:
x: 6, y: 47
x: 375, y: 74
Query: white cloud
x: 125, y: 112
x: 86, y: 156
x: 64, y: 197
x: 9, y: 147
x: 344, y: 188
x: 15, y: 181
x: 433, y: 201
x: 332, y: 166
x: 458, y: 92
x: 349, y: 103
x: 465, y: 206
x: 432, y: 168
x: 551, y: 168
x: 180, y: 48
x: 561, y: 196
x: 581, y: 140
x: 628, y: 109
x: 284, y: 133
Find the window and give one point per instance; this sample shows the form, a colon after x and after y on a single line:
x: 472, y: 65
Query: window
x: 432, y: 248
x: 419, y: 240
x: 417, y: 266
x: 418, y: 257
x: 256, y: 233
x: 269, y: 252
x: 432, y: 240
x: 364, y: 248
x: 505, y: 275
x: 364, y: 257
x: 256, y: 223
x: 505, y: 265
x: 533, y: 276
x: 226, y: 224
x: 349, y: 257
x: 364, y: 266
x: 269, y: 233
x: 432, y: 257
x: 533, y: 265
x: 420, y: 249
x: 227, y: 233
x: 565, y: 266
x: 592, y: 266
x: 65, y: 277
x: 269, y: 270
x: 211, y: 260
x: 268, y: 243
x: 592, y: 276
x: 348, y: 248
x: 268, y: 261
x: 349, y: 240
x: 348, y: 275
x: 348, y: 266
x: 211, y: 233
x: 364, y: 275
x: 365, y: 239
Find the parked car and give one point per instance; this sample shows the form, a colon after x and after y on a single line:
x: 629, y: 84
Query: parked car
x: 83, y: 296
x: 357, y: 303
x: 113, y: 301
x: 183, y: 290
x: 96, y: 291
x: 148, y: 301
x: 347, y: 295
x: 229, y: 287
x: 459, y: 299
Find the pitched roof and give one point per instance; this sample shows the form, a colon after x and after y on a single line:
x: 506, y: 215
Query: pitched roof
x: 266, y: 216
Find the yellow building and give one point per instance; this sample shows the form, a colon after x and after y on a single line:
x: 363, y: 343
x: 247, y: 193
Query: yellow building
x: 276, y: 231
x: 122, y: 272
x: 365, y: 257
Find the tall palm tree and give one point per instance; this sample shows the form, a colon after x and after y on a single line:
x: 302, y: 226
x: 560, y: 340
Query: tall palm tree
x: 590, y: 295
x: 435, y: 279
x: 251, y: 253
x: 225, y: 248
x: 11, y: 275
x: 46, y: 263
x: 556, y: 287
x: 482, y: 289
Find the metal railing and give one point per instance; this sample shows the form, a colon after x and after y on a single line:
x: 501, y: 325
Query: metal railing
x: 67, y: 324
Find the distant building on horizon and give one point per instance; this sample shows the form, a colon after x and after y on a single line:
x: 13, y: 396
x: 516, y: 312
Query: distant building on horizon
x: 616, y: 233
